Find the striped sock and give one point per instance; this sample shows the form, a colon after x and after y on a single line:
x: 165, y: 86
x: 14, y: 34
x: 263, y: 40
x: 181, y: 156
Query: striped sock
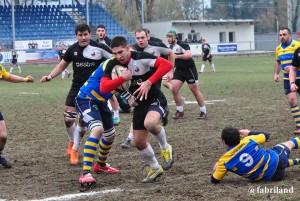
x: 89, y: 152
x: 296, y: 115
x: 293, y: 161
x: 296, y: 142
x: 104, y: 149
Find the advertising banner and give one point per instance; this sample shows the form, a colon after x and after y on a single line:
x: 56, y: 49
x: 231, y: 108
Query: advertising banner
x: 33, y: 45
x: 222, y: 48
x: 30, y: 56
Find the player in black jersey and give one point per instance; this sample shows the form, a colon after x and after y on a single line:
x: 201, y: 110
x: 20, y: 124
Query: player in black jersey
x: 185, y: 71
x: 143, y: 94
x: 60, y: 56
x: 86, y: 56
x: 102, y: 37
x: 206, y: 55
x: 14, y: 61
x: 144, y: 44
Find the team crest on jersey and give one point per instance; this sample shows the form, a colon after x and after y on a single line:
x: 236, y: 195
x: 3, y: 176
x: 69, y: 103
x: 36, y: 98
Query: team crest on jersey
x: 93, y: 54
x: 136, y: 69
x: 293, y: 45
x: 75, y: 53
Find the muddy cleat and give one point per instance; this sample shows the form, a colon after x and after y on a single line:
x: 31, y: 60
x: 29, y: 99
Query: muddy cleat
x: 116, y: 121
x: 74, y: 158
x: 178, y: 115
x: 164, y: 119
x: 106, y: 169
x: 203, y: 115
x: 69, y: 148
x: 127, y: 144
x: 5, y: 163
x: 86, y: 181
x: 153, y: 174
x: 168, y: 159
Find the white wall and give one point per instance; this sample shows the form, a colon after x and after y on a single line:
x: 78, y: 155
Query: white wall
x: 244, y: 32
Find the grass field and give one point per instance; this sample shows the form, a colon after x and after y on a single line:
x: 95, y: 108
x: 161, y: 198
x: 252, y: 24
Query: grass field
x: 247, y: 97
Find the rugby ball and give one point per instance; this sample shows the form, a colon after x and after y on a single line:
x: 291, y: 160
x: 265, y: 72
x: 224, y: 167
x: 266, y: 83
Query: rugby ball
x: 117, y: 72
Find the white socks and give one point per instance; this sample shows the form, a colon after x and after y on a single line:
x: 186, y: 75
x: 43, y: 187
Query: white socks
x: 202, y: 68
x: 203, y: 109
x: 148, y: 155
x: 70, y: 132
x: 162, y: 139
x: 63, y: 75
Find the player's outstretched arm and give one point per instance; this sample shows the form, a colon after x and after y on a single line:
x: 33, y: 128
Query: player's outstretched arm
x: 16, y: 79
x: 59, y: 68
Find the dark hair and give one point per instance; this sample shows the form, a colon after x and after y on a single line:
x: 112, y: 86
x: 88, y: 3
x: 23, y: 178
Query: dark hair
x: 147, y: 30
x: 101, y: 26
x: 141, y: 30
x: 118, y: 41
x: 231, y: 136
x: 82, y: 28
x: 285, y: 28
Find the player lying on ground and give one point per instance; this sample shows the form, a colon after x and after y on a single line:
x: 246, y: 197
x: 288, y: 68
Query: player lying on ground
x: 246, y: 158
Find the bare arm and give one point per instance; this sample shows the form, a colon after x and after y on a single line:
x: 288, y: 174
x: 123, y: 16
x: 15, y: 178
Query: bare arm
x: 16, y: 79
x: 276, y: 71
x: 172, y: 57
x: 292, y: 77
x: 59, y: 68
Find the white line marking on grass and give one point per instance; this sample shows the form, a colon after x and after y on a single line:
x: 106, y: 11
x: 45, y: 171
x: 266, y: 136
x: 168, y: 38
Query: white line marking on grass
x: 29, y: 93
x: 80, y: 195
x: 209, y: 102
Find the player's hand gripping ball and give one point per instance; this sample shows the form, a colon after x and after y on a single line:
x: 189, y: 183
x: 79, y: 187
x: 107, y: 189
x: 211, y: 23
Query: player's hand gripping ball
x: 117, y: 72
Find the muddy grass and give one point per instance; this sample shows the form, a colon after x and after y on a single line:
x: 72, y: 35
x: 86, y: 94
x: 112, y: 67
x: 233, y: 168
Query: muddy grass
x: 37, y: 142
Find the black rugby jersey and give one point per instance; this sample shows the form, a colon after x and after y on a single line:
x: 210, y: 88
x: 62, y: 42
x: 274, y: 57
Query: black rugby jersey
x: 179, y: 48
x: 205, y: 49
x: 14, y: 55
x: 105, y: 41
x: 86, y: 59
x: 140, y: 66
x: 62, y: 53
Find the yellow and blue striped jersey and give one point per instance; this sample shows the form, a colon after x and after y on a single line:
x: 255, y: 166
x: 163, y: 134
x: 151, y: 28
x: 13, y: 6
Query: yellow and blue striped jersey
x: 3, y: 73
x: 91, y: 88
x: 285, y: 54
x: 248, y: 159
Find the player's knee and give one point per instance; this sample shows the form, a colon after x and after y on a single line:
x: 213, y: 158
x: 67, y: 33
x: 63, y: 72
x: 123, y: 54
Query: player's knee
x: 109, y: 135
x: 70, y: 118
x: 151, y: 126
x: 96, y: 131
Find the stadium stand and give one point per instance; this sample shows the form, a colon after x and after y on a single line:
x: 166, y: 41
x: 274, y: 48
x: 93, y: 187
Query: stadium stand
x: 38, y: 22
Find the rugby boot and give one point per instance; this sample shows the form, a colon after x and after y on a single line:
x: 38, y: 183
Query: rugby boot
x: 69, y: 148
x: 106, y: 169
x: 74, y: 158
x: 153, y: 174
x: 168, y: 159
x: 5, y: 163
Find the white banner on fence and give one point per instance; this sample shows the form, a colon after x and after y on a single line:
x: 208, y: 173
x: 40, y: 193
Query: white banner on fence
x: 31, y: 45
x: 221, y: 48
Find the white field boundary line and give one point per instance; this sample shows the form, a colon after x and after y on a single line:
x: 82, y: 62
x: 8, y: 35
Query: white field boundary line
x: 80, y: 195
x: 29, y: 93
x: 209, y: 102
